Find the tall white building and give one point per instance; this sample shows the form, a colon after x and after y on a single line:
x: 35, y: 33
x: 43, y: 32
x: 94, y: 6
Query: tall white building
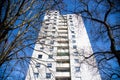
x: 62, y: 50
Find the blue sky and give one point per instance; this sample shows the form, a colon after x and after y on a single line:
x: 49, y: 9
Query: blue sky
x: 73, y: 6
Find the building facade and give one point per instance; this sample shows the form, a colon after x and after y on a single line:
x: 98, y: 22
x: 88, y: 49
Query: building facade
x: 62, y: 51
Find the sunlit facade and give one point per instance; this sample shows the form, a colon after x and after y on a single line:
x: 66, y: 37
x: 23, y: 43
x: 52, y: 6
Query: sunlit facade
x: 62, y: 50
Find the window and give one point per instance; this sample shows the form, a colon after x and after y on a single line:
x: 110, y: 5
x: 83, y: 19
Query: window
x: 52, y: 36
x: 76, y: 53
x: 42, y: 42
x: 48, y: 17
x: 76, y: 60
x: 72, y: 28
x: 45, y: 31
x: 72, y: 32
x: 51, y: 42
x: 70, y: 15
x: 56, y: 12
x: 53, y: 27
x: 49, y: 65
x: 73, y: 36
x: 71, y: 24
x: 70, y: 18
x: 53, y: 32
x: 74, y: 46
x: 40, y: 56
x: 54, y: 23
x: 50, y: 56
x: 73, y: 41
x: 48, y: 75
x: 77, y: 69
x: 55, y: 17
x: 47, y: 23
x: 37, y: 65
x: 51, y: 48
x: 46, y: 27
x: 41, y: 48
x: 54, y: 20
x: 36, y: 75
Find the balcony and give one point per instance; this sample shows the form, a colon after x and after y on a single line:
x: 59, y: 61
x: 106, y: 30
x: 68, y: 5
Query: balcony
x: 62, y: 65
x: 62, y: 50
x: 62, y: 34
x: 59, y: 31
x: 62, y: 28
x: 62, y: 58
x: 62, y: 45
x: 63, y: 69
x: 67, y: 61
x: 63, y: 41
x: 63, y: 78
x: 62, y: 54
x: 62, y: 74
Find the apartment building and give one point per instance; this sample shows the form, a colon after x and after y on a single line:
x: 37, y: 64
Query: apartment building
x: 62, y: 50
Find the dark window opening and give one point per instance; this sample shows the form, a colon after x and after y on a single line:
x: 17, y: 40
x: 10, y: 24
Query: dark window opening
x: 37, y: 65
x: 77, y: 69
x: 39, y: 56
x: 36, y: 75
x: 48, y: 75
x: 50, y: 56
x: 74, y: 46
x: 49, y: 65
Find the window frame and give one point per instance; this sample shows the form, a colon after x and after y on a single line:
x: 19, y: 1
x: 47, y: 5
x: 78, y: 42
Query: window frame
x: 49, y: 65
x: 39, y: 56
x: 77, y: 69
x: 36, y: 74
x: 48, y: 75
x: 76, y: 60
x: 74, y: 47
x: 37, y: 65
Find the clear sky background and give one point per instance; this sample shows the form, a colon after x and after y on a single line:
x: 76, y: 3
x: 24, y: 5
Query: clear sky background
x: 71, y: 7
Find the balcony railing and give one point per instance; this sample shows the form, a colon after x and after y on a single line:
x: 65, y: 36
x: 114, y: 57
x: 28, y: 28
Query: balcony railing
x: 63, y: 50
x: 62, y: 65
x: 63, y: 78
x: 63, y: 47
x: 62, y: 58
x: 63, y: 69
x: 62, y: 54
x: 63, y: 61
x: 62, y: 74
x: 63, y: 28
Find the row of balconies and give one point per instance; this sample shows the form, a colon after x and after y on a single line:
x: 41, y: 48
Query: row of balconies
x: 62, y: 58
